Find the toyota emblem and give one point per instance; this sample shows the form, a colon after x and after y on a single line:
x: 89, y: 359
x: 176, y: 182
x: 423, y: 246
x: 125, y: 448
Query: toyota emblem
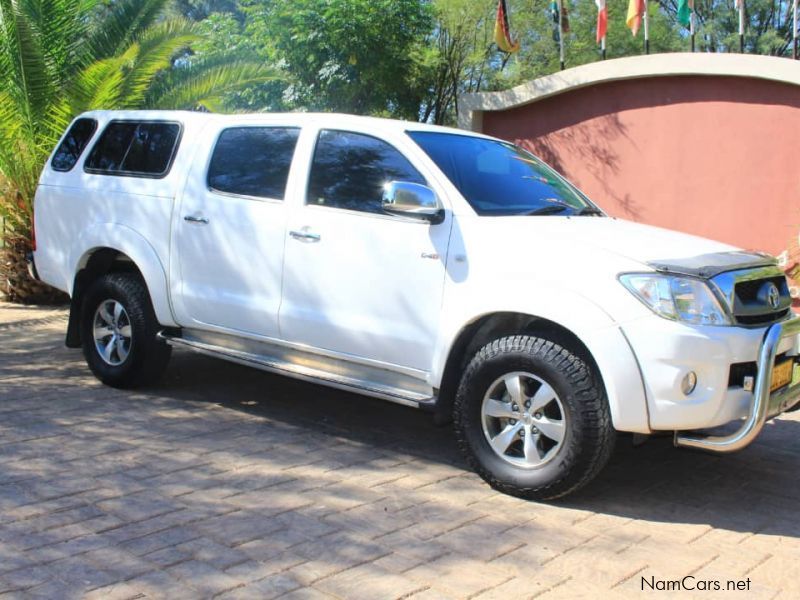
x: 773, y: 296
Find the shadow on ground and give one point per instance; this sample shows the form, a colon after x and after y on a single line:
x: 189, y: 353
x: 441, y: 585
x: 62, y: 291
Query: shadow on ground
x: 222, y: 476
x: 654, y: 481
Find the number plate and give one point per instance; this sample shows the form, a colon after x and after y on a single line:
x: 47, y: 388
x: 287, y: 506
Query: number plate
x: 782, y: 374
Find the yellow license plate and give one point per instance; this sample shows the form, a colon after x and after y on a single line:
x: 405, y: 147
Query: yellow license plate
x: 782, y: 374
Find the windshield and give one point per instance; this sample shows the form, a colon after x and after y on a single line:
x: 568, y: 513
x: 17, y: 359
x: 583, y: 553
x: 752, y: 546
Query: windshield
x: 498, y: 178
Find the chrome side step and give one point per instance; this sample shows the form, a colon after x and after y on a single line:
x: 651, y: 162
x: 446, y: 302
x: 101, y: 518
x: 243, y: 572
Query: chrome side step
x: 307, y: 366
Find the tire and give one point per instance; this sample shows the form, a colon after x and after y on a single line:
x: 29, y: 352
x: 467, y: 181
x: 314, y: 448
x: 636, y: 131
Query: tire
x: 139, y: 361
x: 536, y: 464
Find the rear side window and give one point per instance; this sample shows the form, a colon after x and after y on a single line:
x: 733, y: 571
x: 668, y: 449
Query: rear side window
x: 73, y: 144
x: 350, y: 169
x: 135, y: 148
x: 253, y: 161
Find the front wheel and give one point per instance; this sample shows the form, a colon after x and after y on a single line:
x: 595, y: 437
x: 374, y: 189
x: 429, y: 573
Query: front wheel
x: 119, y: 332
x: 532, y: 418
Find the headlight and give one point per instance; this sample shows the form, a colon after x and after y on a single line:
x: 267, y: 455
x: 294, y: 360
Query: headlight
x: 678, y: 298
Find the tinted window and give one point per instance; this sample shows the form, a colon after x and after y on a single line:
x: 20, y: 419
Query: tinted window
x: 349, y: 171
x: 73, y: 144
x: 134, y: 148
x: 253, y: 161
x: 498, y: 178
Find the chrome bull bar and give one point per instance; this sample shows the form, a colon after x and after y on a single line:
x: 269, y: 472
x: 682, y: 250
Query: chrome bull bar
x: 765, y: 404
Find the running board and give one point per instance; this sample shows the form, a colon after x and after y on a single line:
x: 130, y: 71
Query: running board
x: 307, y: 366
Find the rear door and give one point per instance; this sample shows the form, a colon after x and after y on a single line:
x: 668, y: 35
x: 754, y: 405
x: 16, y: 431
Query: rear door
x: 229, y: 230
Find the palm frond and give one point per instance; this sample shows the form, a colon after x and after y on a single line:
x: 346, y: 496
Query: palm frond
x: 207, y: 81
x: 121, y: 24
x: 24, y: 65
x: 159, y: 45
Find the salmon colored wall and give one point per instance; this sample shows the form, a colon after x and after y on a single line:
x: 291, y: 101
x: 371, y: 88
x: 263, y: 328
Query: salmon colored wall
x: 713, y: 156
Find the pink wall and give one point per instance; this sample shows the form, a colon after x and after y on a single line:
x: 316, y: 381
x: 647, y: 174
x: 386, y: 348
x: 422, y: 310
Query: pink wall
x: 713, y: 156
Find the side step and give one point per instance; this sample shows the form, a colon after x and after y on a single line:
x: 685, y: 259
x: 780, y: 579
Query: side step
x: 307, y: 366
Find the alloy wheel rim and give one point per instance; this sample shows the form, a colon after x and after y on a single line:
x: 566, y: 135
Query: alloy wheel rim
x: 112, y: 332
x: 523, y: 420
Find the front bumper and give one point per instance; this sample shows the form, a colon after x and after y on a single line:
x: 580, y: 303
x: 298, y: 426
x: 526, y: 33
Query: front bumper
x: 764, y: 404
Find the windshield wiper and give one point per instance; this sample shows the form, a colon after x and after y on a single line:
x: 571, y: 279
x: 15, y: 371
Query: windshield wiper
x: 590, y: 210
x: 549, y: 209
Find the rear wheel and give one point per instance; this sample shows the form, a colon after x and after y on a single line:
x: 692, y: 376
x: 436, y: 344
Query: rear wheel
x: 532, y: 418
x: 119, y: 332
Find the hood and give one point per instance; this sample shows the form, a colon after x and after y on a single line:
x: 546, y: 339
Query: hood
x: 592, y: 236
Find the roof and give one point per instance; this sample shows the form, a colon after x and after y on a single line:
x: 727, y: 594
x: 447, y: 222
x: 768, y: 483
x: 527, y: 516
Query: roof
x: 326, y: 119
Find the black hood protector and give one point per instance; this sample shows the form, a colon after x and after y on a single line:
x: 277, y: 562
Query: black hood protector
x: 711, y: 265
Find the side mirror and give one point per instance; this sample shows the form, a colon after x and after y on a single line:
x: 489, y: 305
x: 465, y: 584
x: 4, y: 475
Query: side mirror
x: 412, y: 200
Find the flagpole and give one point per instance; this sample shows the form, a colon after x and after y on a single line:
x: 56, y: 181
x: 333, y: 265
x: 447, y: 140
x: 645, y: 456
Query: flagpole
x: 794, y: 30
x: 741, y: 26
x: 646, y: 31
x: 691, y: 26
x: 561, y: 34
x: 603, y: 45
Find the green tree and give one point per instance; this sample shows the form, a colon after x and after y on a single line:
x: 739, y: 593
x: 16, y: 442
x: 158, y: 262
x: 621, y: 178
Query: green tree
x: 355, y: 56
x: 768, y: 26
x: 61, y: 57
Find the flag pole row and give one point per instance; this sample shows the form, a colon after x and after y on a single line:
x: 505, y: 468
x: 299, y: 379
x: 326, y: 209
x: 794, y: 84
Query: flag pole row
x: 636, y: 19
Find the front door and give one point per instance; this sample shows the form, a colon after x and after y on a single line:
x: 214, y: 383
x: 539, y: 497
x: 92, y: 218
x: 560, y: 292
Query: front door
x: 230, y: 230
x: 356, y: 280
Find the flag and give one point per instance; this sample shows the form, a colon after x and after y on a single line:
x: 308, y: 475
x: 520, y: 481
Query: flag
x: 502, y: 36
x: 602, y: 19
x: 635, y: 12
x: 564, y: 15
x: 737, y: 3
x: 685, y: 9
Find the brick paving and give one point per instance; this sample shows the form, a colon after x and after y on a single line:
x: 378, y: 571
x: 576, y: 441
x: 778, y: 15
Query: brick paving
x: 231, y: 483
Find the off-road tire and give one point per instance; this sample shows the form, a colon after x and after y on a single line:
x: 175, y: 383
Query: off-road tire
x: 148, y: 356
x: 589, y: 435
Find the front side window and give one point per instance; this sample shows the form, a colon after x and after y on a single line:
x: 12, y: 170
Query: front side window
x: 253, y: 161
x: 135, y: 148
x: 349, y: 171
x: 73, y: 144
x: 498, y: 178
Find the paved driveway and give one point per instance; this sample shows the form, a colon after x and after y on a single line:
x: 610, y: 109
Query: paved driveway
x: 228, y: 482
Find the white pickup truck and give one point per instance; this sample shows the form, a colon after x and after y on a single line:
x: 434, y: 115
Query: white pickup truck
x: 427, y: 266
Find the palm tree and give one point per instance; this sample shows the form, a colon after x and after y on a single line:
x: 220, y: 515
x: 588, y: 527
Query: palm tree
x: 59, y: 58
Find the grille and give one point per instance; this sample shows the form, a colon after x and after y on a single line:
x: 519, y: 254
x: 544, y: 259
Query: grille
x: 747, y: 291
x: 761, y: 319
x: 749, y: 301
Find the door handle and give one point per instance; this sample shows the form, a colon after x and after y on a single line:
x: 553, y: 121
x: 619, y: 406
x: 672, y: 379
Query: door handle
x: 305, y: 236
x: 198, y: 220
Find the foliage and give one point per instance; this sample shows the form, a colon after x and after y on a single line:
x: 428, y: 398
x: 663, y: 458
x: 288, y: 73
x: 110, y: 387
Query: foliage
x: 61, y: 57
x: 343, y: 55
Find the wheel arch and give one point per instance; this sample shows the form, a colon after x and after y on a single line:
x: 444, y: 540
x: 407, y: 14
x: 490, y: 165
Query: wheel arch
x: 606, y: 350
x: 114, y: 248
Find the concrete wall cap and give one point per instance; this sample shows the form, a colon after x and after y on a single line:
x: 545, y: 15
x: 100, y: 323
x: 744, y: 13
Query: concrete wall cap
x: 471, y: 106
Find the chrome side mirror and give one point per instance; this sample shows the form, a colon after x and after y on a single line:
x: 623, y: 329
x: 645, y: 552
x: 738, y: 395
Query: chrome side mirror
x: 412, y: 200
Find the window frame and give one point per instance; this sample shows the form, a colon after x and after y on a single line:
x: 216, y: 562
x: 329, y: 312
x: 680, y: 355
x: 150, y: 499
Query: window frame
x: 364, y: 213
x: 214, y: 190
x: 82, y: 153
x: 136, y: 174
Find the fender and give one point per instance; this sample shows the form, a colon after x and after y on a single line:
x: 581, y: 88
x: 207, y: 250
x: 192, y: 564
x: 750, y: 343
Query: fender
x: 138, y: 249
x: 575, y: 312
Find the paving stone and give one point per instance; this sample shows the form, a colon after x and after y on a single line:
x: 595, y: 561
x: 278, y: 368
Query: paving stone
x: 368, y: 582
x: 213, y: 553
x: 173, y: 536
x: 207, y: 580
